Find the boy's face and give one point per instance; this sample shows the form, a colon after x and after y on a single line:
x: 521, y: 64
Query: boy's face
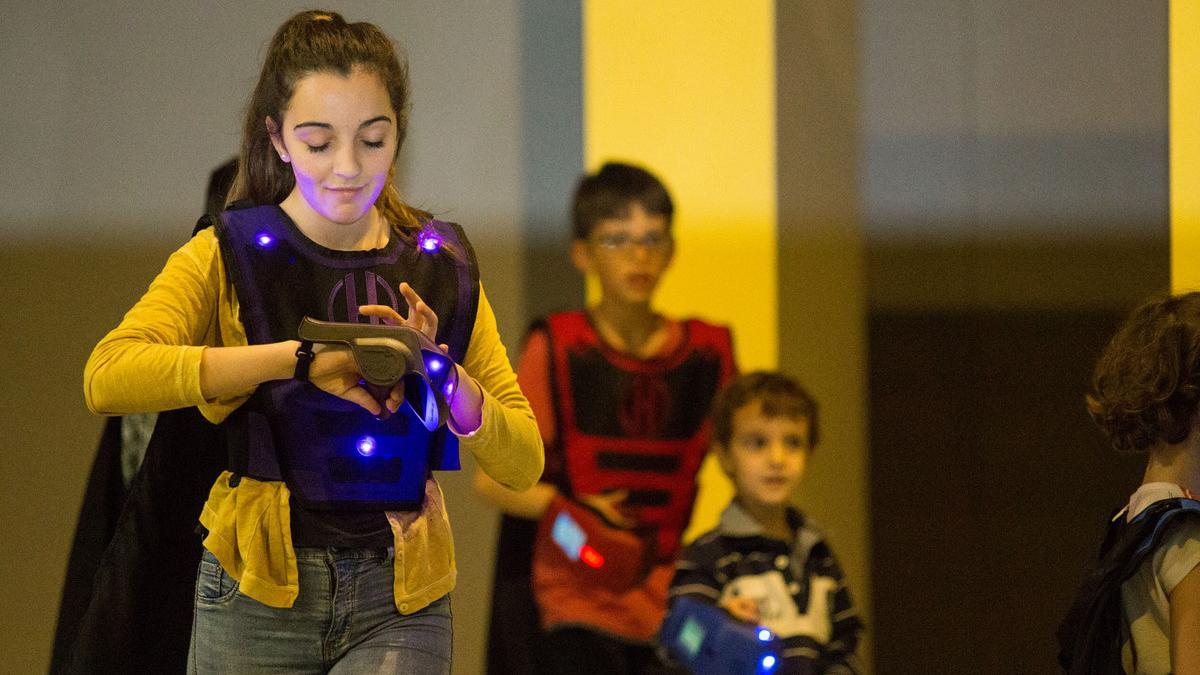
x: 627, y: 255
x: 766, y: 456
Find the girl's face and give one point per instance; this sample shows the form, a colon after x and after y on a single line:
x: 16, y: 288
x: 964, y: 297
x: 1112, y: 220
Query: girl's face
x: 339, y: 135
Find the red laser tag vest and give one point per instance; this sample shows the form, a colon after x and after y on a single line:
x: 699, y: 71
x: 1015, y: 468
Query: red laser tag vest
x: 637, y: 425
x: 292, y: 431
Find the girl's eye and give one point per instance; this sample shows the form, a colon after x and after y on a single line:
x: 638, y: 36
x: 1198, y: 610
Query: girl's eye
x: 373, y: 144
x: 318, y: 148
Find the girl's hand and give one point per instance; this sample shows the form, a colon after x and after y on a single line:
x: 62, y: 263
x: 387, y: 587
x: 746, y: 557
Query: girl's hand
x: 334, y: 370
x: 466, y: 402
x: 741, y: 608
x: 420, y: 315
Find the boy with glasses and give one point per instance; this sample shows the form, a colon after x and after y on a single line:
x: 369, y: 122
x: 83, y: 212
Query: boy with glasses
x: 621, y: 394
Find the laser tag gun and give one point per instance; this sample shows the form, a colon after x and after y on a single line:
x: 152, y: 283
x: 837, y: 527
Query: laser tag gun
x: 708, y: 641
x: 387, y: 355
x: 335, y: 455
x: 577, y: 546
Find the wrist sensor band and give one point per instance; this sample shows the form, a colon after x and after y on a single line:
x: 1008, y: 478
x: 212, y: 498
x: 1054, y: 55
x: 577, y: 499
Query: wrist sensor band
x: 304, y: 357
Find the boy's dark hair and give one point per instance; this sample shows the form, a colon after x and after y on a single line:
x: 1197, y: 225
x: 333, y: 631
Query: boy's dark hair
x: 1147, y: 381
x: 781, y: 396
x: 610, y: 192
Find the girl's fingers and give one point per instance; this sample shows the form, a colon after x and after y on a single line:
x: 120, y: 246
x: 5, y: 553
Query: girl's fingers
x: 420, y: 316
x: 387, y: 314
x: 395, y: 397
x: 410, y: 295
x: 429, y: 320
x: 363, y: 398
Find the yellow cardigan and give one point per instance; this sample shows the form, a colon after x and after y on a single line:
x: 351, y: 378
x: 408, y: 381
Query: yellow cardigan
x: 151, y: 362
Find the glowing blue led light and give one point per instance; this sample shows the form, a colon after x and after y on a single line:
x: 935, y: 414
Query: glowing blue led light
x: 449, y: 389
x: 764, y: 635
x: 433, y: 365
x: 429, y: 241
x: 264, y: 240
x: 768, y: 663
x: 366, y: 446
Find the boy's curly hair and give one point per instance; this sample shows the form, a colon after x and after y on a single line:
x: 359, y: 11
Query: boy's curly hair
x: 1146, y: 385
x: 781, y: 396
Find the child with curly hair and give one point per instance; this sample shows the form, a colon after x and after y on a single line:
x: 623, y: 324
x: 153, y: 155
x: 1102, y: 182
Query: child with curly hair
x: 1136, y: 611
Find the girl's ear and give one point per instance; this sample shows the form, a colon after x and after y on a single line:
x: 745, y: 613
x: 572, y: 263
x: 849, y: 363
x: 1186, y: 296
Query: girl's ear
x: 276, y: 138
x: 581, y: 257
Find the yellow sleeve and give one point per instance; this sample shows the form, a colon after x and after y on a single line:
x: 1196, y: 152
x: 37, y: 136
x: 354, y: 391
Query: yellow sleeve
x: 507, y: 446
x: 151, y: 361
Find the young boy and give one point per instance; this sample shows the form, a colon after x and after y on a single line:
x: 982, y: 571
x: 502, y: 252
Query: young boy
x: 1140, y: 610
x: 765, y: 564
x: 621, y: 394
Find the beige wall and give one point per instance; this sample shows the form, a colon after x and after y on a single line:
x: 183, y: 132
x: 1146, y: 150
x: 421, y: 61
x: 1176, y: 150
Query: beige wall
x: 65, y: 296
x: 822, y: 275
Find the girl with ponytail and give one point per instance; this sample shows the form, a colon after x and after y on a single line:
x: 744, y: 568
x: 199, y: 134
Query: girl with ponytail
x: 288, y: 582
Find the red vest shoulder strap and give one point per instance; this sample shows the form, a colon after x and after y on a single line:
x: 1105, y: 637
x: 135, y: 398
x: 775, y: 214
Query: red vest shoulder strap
x: 570, y: 328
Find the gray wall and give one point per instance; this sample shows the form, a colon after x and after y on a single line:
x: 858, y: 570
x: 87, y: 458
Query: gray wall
x: 1007, y: 145
x: 1014, y: 160
x: 114, y: 114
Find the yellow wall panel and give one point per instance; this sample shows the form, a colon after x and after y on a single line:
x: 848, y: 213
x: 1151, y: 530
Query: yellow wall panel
x: 1185, y: 144
x: 687, y: 88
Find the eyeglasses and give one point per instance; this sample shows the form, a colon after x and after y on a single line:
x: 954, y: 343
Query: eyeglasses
x: 654, y: 242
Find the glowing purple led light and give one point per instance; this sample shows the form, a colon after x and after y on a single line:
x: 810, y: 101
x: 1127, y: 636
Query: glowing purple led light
x: 429, y: 241
x: 449, y: 388
x: 264, y: 240
x: 433, y: 365
x: 366, y: 446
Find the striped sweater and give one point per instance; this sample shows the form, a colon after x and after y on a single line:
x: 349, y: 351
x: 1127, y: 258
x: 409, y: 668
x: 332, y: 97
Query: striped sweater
x: 798, y: 587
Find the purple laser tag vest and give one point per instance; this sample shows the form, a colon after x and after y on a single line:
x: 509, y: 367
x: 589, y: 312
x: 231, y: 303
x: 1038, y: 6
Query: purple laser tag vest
x: 293, y: 431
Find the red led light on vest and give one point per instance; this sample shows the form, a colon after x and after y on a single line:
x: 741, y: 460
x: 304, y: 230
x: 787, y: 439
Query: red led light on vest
x: 590, y: 556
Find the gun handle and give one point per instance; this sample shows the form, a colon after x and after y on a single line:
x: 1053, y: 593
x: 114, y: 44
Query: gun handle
x: 380, y: 394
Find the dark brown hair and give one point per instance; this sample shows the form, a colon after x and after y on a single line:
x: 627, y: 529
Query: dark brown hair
x: 611, y: 191
x: 309, y: 42
x: 1147, y: 381
x: 780, y: 395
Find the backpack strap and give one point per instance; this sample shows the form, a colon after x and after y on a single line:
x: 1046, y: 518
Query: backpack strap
x: 1091, y: 634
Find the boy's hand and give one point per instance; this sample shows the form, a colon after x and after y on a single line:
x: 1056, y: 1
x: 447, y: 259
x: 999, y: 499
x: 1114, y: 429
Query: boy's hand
x: 742, y: 609
x: 608, y: 505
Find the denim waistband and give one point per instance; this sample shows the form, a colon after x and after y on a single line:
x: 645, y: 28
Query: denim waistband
x: 340, y: 553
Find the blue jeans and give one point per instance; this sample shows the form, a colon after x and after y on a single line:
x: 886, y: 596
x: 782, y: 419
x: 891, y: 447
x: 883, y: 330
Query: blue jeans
x: 344, y: 622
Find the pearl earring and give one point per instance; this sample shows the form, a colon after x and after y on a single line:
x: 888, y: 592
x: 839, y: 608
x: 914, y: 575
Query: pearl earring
x: 283, y: 157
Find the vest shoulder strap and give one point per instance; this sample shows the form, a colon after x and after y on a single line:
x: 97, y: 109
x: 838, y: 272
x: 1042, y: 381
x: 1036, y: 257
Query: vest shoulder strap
x: 1091, y: 634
